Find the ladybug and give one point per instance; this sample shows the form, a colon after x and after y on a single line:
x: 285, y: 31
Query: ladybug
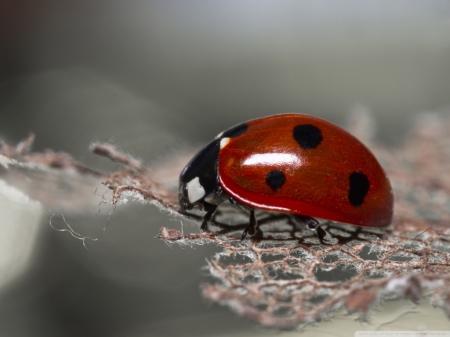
x: 289, y: 163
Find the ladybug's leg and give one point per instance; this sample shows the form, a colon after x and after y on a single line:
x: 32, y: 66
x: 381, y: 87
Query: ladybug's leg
x: 314, y: 225
x: 251, y: 227
x: 210, y: 210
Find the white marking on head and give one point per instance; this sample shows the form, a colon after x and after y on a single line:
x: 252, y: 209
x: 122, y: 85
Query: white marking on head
x: 224, y: 142
x: 195, y: 190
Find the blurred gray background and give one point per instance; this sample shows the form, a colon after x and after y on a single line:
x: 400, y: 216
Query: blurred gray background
x: 156, y: 77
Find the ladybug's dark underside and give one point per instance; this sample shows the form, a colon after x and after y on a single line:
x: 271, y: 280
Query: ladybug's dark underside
x: 291, y: 163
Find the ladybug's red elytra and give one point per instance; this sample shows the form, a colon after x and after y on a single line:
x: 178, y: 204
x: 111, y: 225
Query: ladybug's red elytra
x: 289, y: 163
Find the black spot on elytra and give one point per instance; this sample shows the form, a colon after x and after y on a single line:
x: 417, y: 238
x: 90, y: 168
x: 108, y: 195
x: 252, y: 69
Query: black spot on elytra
x: 358, y: 188
x: 308, y: 136
x: 275, y: 179
x: 235, y: 131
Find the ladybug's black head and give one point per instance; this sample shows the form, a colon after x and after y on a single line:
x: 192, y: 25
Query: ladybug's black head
x: 199, y: 178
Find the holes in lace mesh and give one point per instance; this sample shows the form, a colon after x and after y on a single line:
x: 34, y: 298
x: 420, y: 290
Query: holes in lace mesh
x: 302, y: 254
x: 294, y: 263
x: 272, y: 257
x: 414, y: 235
x: 414, y: 245
x: 305, y: 233
x: 260, y: 306
x: 334, y: 256
x: 371, y: 253
x: 339, y: 273
x: 402, y: 256
x: 289, y: 289
x: 275, y: 244
x: 240, y: 290
x: 283, y: 311
x: 377, y: 273
x: 279, y: 272
x: 441, y: 245
x: 316, y: 299
x: 237, y: 258
x: 248, y: 276
x: 436, y: 258
x: 285, y: 299
x: 297, y: 289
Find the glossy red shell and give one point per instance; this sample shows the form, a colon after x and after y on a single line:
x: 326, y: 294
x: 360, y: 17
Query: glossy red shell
x: 316, y: 179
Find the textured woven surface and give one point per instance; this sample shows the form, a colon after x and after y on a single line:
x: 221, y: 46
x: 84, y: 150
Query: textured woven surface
x: 283, y: 276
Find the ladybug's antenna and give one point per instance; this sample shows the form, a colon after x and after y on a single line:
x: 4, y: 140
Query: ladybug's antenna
x: 429, y: 228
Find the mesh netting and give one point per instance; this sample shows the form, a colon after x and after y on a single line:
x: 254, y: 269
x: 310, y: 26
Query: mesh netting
x: 284, y: 276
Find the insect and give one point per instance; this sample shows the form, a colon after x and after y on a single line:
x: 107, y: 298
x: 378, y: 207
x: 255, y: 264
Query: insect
x: 289, y: 163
